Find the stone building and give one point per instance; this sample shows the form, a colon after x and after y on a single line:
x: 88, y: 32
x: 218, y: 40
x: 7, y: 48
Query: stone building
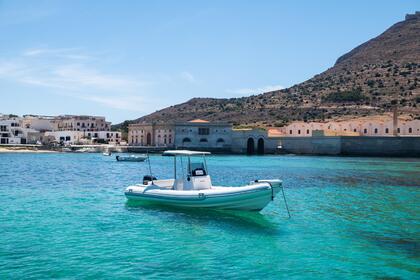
x: 80, y: 123
x: 198, y: 134
x: 192, y: 134
x: 372, y: 126
x: 151, y: 134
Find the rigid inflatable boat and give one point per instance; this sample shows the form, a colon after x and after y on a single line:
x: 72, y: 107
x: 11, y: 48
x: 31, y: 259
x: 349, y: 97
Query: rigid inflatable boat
x: 131, y: 158
x: 193, y: 188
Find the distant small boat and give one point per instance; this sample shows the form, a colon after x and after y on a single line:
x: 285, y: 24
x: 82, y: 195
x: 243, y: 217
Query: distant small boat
x: 86, y: 150
x: 131, y: 158
x: 108, y: 153
x: 66, y: 150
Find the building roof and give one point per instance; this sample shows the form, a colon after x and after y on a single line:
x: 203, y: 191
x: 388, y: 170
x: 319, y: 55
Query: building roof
x: 198, y: 121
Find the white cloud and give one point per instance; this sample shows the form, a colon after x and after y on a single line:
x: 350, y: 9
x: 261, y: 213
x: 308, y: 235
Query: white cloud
x: 69, y: 53
x: 61, y: 71
x: 188, y: 77
x: 250, y: 91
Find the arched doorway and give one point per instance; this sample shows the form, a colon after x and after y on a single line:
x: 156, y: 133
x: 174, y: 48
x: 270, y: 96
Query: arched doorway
x: 148, y: 139
x: 250, y: 146
x: 260, y: 146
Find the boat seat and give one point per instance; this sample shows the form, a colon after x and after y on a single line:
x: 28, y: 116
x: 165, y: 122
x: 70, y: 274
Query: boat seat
x: 178, y: 184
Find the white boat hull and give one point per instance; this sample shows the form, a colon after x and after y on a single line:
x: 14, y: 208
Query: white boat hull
x: 131, y: 158
x: 253, y: 197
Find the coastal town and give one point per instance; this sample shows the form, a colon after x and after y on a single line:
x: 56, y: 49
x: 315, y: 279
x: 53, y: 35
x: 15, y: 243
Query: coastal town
x: 209, y: 139
x: 80, y: 131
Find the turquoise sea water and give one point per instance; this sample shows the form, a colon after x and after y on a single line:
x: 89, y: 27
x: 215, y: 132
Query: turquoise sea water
x: 65, y: 216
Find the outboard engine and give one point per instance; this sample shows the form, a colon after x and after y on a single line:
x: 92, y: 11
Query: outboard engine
x: 148, y: 178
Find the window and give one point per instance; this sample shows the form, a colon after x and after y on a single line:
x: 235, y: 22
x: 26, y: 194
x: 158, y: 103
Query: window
x: 386, y: 130
x: 376, y: 130
x: 290, y: 132
x: 398, y: 130
x: 68, y: 138
x: 220, y: 140
x: 365, y: 130
x: 78, y: 123
x: 3, y: 128
x: 298, y: 131
x: 354, y: 130
x: 203, y: 131
x: 186, y: 139
x: 307, y: 131
x: 410, y: 130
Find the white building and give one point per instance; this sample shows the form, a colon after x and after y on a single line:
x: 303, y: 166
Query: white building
x: 72, y: 129
x: 11, y: 131
x: 85, y: 137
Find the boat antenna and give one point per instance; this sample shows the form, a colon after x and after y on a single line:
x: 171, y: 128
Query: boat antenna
x: 150, y: 167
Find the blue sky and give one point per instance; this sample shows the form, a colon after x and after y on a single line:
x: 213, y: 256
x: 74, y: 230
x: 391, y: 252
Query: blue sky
x: 125, y: 59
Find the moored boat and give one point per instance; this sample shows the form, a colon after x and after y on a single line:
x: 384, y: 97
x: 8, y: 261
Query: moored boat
x: 194, y: 189
x: 86, y: 150
x: 134, y: 158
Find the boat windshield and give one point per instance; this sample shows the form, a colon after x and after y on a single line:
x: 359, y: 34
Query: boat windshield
x: 186, y: 165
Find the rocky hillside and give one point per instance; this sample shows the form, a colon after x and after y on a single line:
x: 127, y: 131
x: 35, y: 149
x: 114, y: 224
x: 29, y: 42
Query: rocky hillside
x: 368, y: 80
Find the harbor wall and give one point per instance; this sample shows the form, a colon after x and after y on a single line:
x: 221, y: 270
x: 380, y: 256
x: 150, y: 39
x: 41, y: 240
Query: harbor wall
x: 311, y: 145
x: 381, y: 146
x: 352, y: 146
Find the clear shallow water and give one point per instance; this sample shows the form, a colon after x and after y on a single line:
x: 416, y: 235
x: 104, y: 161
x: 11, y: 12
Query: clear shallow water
x: 65, y: 216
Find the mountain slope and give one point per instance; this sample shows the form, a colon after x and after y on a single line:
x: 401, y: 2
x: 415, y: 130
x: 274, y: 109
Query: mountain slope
x: 368, y: 80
